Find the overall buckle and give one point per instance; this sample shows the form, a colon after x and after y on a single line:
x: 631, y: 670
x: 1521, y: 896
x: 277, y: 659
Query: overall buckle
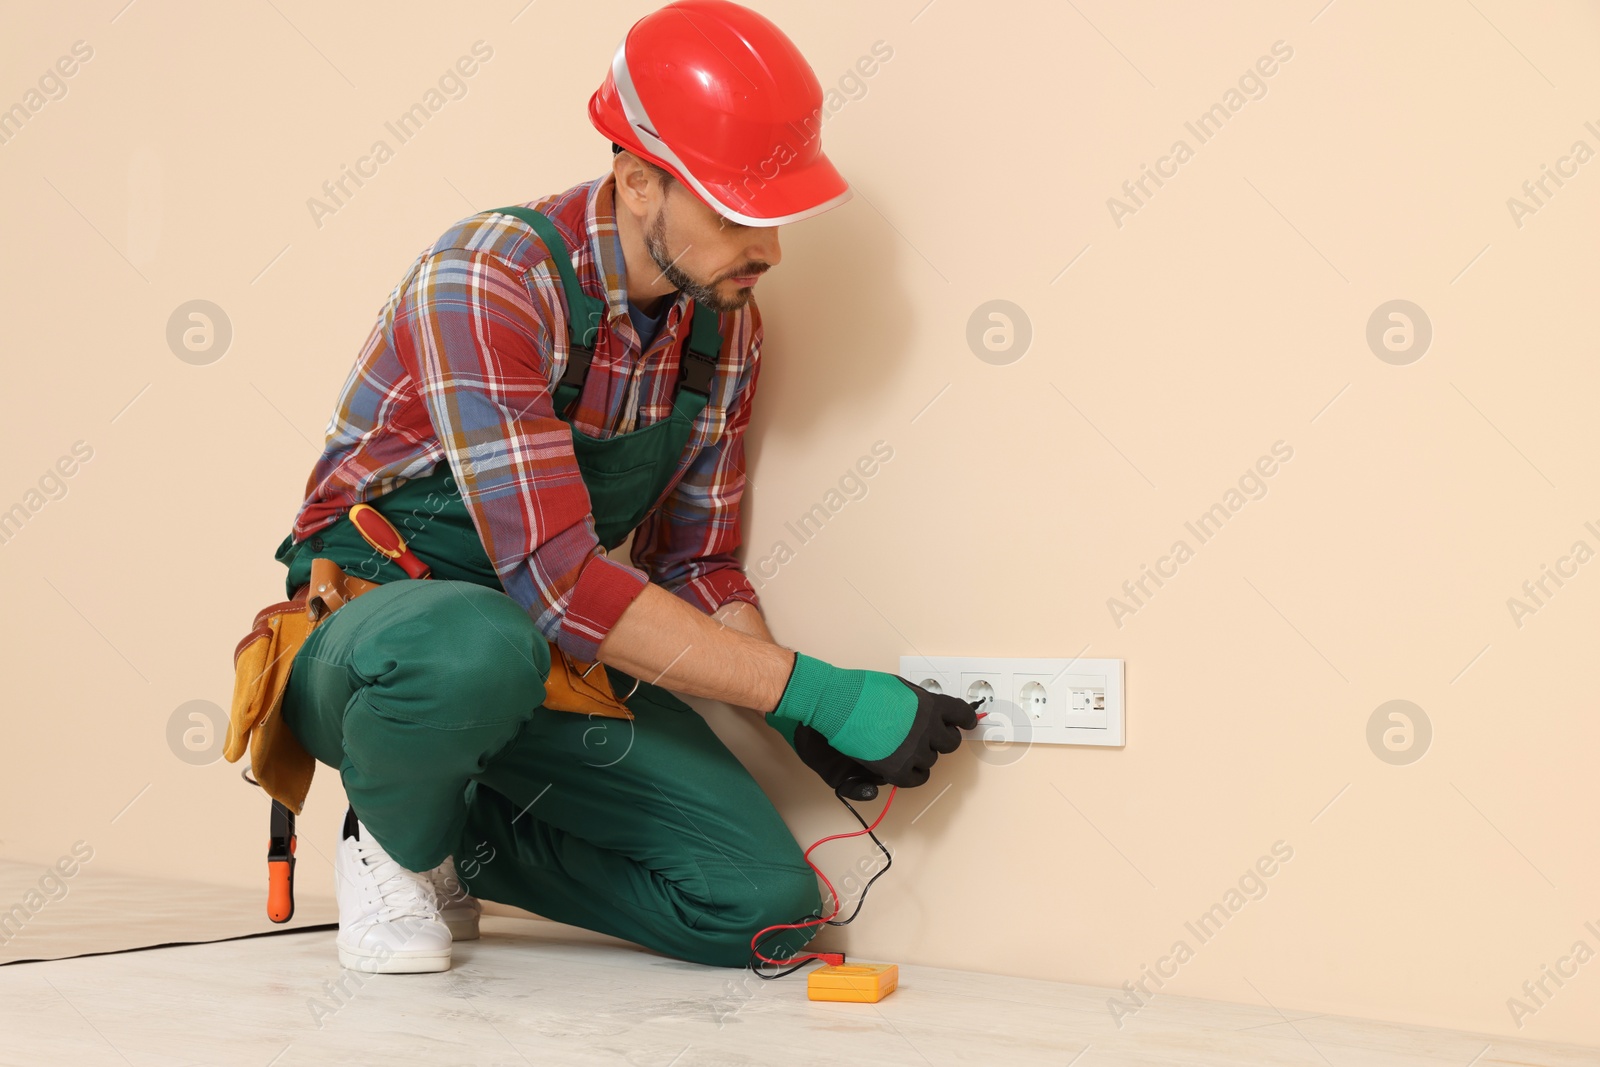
x: 697, y: 371
x: 577, y: 369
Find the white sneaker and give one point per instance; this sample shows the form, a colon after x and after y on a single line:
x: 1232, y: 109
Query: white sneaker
x: 459, y: 909
x: 389, y: 919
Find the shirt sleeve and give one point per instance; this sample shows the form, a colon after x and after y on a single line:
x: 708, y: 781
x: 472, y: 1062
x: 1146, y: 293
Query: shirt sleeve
x: 474, y: 337
x: 687, y: 544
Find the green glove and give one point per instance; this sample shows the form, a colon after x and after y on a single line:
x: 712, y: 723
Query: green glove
x: 786, y: 727
x: 847, y: 778
x: 882, y: 721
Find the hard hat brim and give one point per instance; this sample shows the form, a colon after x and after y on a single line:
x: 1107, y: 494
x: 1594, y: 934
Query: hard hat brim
x: 793, y: 193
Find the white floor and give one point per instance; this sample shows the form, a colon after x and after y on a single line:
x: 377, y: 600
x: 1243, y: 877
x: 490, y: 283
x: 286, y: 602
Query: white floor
x: 532, y: 992
x: 102, y: 911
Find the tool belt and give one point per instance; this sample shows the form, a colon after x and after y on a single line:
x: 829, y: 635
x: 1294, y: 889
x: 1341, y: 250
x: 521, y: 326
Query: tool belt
x: 263, y: 658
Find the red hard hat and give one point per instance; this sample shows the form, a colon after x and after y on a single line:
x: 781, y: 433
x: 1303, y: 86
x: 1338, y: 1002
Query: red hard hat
x: 718, y: 96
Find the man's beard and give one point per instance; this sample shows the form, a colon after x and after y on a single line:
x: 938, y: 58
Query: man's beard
x: 656, y: 242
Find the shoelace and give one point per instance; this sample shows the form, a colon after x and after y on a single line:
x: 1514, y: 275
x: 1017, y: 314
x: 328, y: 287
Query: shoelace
x: 402, y: 892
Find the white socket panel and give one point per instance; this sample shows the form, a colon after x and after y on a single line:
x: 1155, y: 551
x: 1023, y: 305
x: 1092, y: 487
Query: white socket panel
x: 1032, y: 701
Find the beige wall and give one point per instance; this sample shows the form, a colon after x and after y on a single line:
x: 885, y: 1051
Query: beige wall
x: 1226, y: 314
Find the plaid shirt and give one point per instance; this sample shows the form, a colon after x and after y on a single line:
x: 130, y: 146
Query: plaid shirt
x: 458, y: 368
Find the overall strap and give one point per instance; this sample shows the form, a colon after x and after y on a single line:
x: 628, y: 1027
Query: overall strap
x: 584, y: 312
x: 705, y: 348
x: 698, y: 363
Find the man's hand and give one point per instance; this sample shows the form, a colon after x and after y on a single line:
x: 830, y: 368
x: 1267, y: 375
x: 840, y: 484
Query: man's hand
x: 897, y: 731
x: 846, y: 777
x: 881, y: 721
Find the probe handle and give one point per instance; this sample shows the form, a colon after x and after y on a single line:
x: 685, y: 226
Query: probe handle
x: 862, y: 789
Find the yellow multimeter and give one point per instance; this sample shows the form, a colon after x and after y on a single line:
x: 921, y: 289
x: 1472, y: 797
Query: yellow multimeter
x: 859, y: 983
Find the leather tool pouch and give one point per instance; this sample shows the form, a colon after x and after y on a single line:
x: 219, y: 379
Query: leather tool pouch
x: 261, y: 663
x: 263, y: 658
x: 568, y: 690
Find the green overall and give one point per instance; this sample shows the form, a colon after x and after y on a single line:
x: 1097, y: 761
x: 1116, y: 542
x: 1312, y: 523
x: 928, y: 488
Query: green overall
x: 426, y: 695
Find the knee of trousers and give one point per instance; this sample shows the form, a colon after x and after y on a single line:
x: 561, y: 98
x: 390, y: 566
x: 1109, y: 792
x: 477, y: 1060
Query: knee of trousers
x: 780, y: 895
x: 458, y: 656
x: 447, y: 677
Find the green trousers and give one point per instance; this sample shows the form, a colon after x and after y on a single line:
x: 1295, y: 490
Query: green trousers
x: 426, y: 695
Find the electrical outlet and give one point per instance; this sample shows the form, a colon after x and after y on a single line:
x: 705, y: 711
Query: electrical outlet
x: 1075, y: 701
x: 931, y: 678
x: 1037, y: 701
x: 980, y: 686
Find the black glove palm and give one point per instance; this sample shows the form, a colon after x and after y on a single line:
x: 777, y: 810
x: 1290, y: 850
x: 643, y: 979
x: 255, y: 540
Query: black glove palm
x: 848, y: 779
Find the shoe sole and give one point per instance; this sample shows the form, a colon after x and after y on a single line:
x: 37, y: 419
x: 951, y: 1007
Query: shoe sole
x: 394, y: 963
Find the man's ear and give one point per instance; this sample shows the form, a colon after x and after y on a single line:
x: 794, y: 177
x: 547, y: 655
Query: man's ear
x: 633, y: 180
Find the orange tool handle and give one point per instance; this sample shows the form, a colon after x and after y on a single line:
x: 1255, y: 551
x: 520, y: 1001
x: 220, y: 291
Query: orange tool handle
x: 280, y: 891
x: 280, y: 865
